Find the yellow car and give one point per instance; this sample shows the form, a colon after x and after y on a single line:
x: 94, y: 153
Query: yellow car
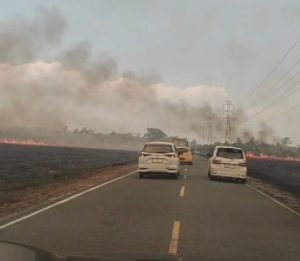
x: 185, y: 155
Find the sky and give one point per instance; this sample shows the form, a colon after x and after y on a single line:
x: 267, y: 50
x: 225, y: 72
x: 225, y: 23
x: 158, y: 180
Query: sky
x: 230, y: 45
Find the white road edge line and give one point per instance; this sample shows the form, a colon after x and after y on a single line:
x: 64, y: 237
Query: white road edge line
x: 64, y: 201
x: 274, y: 200
x: 181, y: 193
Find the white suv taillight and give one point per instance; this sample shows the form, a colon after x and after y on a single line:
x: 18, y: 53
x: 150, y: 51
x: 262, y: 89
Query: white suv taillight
x: 243, y: 164
x: 173, y: 156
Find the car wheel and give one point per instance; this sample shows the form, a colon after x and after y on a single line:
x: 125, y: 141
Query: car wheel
x: 210, y: 176
x: 141, y: 175
x: 243, y: 181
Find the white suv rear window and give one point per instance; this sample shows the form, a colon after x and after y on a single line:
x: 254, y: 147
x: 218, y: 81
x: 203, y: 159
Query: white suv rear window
x: 158, y: 148
x: 230, y: 153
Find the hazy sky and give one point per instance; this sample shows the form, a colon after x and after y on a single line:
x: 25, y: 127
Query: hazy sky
x: 231, y: 44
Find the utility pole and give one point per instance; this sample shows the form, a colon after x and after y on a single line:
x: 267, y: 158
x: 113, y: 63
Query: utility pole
x: 209, y: 136
x: 228, y: 109
x: 202, y: 134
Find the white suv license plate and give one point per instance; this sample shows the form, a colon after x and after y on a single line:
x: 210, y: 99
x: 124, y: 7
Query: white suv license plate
x: 229, y: 166
x: 157, y: 161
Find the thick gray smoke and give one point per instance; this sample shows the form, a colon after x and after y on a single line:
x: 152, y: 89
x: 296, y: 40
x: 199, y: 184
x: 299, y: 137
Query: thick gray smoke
x: 22, y: 40
x: 266, y: 134
x: 247, y: 135
x: 96, y: 70
x: 49, y: 94
x: 238, y: 118
x: 263, y: 134
x: 151, y: 77
x: 79, y: 90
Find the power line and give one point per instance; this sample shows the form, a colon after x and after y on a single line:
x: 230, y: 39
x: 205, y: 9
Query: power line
x: 276, y: 83
x: 273, y: 69
x: 279, y: 99
x: 278, y: 115
x: 283, y: 113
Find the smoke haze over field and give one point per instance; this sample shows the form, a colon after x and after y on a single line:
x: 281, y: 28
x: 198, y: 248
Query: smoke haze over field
x: 79, y: 89
x: 48, y: 94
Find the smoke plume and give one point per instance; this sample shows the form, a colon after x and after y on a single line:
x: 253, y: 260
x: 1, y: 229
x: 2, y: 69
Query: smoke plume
x: 78, y: 90
x: 22, y: 40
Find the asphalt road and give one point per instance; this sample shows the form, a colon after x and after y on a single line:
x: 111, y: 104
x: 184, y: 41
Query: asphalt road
x: 189, y: 217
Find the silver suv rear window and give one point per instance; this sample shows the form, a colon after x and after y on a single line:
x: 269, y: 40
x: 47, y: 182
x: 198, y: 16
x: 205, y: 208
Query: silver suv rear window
x: 158, y: 148
x: 230, y: 153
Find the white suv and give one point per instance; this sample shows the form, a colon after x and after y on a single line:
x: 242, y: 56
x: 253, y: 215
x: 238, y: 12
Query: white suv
x: 159, y: 157
x: 227, y: 162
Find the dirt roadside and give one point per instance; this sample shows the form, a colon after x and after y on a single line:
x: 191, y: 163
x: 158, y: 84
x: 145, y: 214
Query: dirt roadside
x: 20, y: 202
x: 288, y: 199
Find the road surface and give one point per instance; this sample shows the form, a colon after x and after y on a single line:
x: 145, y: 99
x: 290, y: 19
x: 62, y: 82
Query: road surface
x: 189, y: 217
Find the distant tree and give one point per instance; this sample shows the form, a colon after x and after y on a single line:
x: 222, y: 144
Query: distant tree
x: 286, y: 142
x: 154, y: 134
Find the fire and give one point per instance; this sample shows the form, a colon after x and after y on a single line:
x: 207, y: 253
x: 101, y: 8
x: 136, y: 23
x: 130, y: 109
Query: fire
x: 262, y: 156
x: 31, y: 142
x: 24, y: 142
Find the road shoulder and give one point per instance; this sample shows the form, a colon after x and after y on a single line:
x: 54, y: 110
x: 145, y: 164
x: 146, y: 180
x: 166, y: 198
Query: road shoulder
x: 31, y: 199
x: 285, y: 198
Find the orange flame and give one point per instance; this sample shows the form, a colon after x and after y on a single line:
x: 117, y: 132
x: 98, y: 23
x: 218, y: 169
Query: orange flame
x: 27, y: 142
x: 262, y: 156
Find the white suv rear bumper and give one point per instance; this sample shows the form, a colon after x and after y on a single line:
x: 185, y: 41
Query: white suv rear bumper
x: 220, y: 172
x: 158, y: 168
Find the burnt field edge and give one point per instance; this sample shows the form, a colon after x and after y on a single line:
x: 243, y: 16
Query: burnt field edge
x: 23, y: 166
x: 283, y: 174
x: 28, y: 200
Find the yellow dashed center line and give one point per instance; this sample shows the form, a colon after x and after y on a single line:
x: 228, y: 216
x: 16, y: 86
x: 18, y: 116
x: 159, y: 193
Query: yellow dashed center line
x: 174, y: 239
x: 182, y: 190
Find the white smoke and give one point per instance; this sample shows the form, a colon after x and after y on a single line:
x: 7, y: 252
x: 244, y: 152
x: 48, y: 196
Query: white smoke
x: 84, y: 91
x: 48, y: 94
